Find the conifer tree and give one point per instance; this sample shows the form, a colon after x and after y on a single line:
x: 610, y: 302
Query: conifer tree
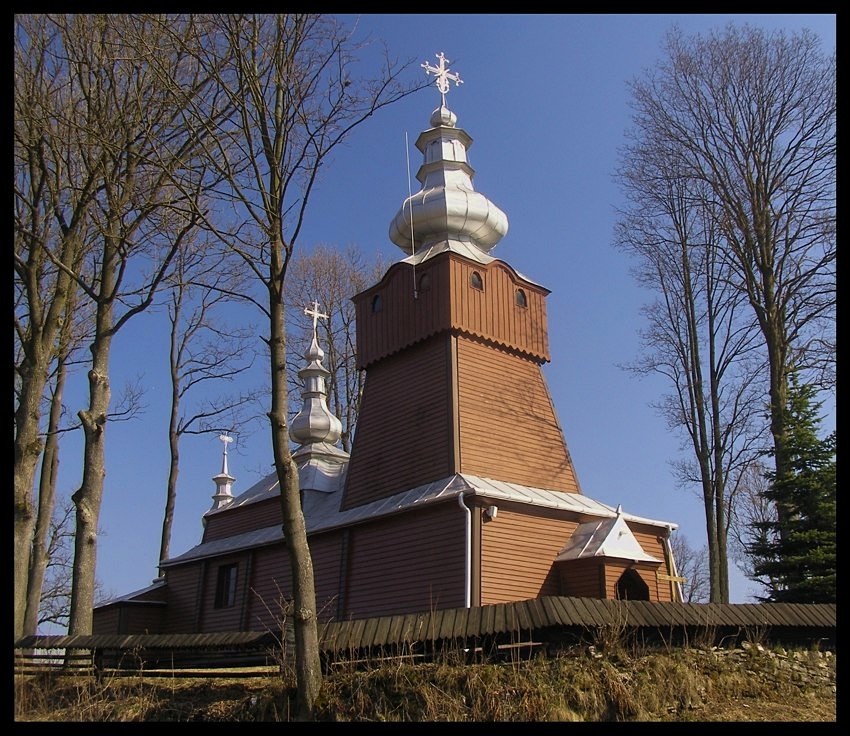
x: 795, y: 556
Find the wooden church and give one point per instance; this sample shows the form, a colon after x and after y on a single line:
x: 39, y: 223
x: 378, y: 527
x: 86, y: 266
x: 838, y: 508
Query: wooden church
x: 459, y: 490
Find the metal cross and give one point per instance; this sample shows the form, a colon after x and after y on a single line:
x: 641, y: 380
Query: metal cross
x: 226, y: 440
x: 443, y: 75
x: 315, y: 314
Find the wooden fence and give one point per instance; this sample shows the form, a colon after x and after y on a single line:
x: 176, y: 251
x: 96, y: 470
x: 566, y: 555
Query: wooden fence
x: 494, y: 631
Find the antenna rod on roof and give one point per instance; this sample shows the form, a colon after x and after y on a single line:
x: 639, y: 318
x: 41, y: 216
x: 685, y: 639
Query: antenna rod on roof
x: 410, y: 204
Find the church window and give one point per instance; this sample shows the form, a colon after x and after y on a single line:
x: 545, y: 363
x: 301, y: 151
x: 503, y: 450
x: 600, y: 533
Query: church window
x: 476, y: 281
x: 521, y: 301
x: 225, y: 589
x: 376, y: 303
x: 425, y: 282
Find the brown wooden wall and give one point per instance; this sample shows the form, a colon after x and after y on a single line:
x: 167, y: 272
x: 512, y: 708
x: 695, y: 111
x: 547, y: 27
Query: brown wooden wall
x: 407, y: 563
x: 404, y: 426
x: 256, y: 515
x: 231, y: 617
x: 105, y: 620
x: 507, y: 423
x: 614, y: 570
x: 271, y: 578
x: 402, y: 319
x: 581, y: 578
x: 183, y: 590
x: 446, y: 300
x: 517, y: 555
x: 492, y: 312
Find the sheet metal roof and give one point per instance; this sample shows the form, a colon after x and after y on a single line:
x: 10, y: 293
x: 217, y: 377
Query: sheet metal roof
x: 322, y: 513
x: 604, y: 538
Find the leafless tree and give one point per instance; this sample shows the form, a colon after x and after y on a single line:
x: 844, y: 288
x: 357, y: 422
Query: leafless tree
x: 51, y: 226
x: 204, y: 349
x: 55, y: 599
x: 751, y: 510
x: 298, y: 94
x: 700, y: 336
x: 751, y: 116
x: 331, y: 277
x: 692, y: 565
x: 129, y: 84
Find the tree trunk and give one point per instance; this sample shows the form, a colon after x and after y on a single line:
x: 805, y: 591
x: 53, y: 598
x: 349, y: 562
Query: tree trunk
x: 89, y: 496
x: 307, y: 659
x: 46, y: 505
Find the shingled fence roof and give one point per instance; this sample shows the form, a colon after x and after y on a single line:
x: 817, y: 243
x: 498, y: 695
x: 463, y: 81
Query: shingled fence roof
x: 546, y: 621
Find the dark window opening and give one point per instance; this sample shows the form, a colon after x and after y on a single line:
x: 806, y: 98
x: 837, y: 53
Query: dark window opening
x: 476, y: 281
x: 225, y: 589
x: 376, y: 303
x: 521, y: 301
x: 425, y: 282
x: 631, y: 587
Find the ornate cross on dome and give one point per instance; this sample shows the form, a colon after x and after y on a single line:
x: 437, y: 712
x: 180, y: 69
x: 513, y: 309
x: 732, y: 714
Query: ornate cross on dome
x: 315, y: 314
x: 443, y: 75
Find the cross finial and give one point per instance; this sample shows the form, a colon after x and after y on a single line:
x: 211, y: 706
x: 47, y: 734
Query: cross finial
x: 226, y: 440
x: 315, y: 314
x: 443, y: 75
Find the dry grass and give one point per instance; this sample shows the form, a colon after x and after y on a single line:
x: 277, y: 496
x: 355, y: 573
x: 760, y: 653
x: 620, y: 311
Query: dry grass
x: 585, y: 684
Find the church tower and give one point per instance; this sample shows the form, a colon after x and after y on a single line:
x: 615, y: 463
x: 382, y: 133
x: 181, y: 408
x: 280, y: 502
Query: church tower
x: 453, y: 342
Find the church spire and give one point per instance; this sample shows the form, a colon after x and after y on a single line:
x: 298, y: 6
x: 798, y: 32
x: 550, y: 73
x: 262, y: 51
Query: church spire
x: 447, y: 213
x: 315, y: 423
x: 224, y: 480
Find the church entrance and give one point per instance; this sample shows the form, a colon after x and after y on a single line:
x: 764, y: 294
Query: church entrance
x: 631, y: 587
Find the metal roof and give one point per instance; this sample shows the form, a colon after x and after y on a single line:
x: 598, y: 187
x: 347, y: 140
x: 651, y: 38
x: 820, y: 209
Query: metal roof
x: 604, y: 538
x: 322, y: 512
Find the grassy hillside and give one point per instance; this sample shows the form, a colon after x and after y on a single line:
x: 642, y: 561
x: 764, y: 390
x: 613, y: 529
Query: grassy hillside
x: 585, y: 684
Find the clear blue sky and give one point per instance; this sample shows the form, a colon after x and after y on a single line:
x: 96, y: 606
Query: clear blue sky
x: 545, y: 100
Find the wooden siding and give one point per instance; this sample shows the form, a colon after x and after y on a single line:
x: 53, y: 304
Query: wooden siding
x: 411, y: 562
x: 143, y: 618
x: 492, y: 313
x: 507, y: 424
x: 227, y: 618
x: 270, y: 584
x: 402, y: 319
x: 271, y: 580
x: 183, y: 583
x: 450, y: 302
x: 653, y: 544
x: 404, y: 426
x: 243, y: 519
x: 517, y: 555
x: 106, y: 620
x: 580, y: 578
x: 614, y: 570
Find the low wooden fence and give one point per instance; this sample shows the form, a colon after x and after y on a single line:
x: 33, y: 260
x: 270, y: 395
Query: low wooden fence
x: 489, y: 632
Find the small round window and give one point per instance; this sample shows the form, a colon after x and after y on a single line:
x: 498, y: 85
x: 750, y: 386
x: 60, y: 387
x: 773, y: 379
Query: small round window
x: 521, y: 301
x: 476, y: 281
x: 376, y: 303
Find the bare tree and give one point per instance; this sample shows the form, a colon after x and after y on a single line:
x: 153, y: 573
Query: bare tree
x: 137, y: 148
x: 204, y: 349
x: 55, y: 599
x: 297, y: 94
x: 331, y: 277
x: 53, y: 195
x: 700, y: 336
x: 752, y: 116
x: 751, y: 512
x: 692, y: 565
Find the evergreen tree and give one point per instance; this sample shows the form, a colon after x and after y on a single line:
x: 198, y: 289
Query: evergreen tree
x: 795, y: 556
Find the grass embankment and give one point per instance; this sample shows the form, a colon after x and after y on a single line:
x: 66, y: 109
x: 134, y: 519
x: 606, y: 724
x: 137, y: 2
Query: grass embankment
x: 690, y: 684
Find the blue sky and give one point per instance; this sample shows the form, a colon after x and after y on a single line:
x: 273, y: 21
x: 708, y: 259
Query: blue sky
x: 545, y: 100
